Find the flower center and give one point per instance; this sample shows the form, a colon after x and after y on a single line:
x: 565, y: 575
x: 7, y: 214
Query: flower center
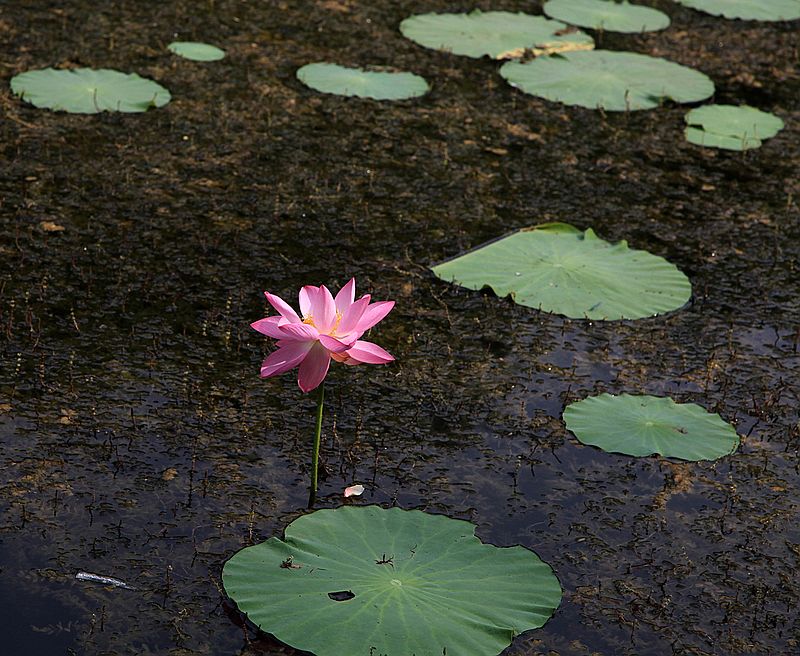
x: 309, y: 320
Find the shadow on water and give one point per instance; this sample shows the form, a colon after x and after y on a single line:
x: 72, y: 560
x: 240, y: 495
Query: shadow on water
x: 139, y: 443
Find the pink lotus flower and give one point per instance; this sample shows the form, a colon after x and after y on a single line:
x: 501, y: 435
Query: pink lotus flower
x: 330, y: 328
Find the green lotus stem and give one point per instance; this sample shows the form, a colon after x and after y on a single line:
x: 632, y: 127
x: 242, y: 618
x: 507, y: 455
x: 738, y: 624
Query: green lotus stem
x: 317, y: 438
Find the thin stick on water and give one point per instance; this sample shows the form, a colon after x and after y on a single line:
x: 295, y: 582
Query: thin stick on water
x: 315, y: 455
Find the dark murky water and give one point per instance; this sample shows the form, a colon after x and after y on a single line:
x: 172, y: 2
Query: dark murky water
x: 139, y: 443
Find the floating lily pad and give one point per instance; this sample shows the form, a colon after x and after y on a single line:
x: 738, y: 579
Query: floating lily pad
x: 607, y: 15
x: 730, y: 127
x: 613, y: 81
x: 557, y: 268
x: 88, y: 91
x: 379, y: 85
x: 364, y: 580
x: 498, y: 34
x: 759, y: 10
x: 196, y: 51
x: 644, y: 425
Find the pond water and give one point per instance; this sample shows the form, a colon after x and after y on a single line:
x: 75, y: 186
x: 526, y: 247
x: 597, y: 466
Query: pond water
x: 138, y: 441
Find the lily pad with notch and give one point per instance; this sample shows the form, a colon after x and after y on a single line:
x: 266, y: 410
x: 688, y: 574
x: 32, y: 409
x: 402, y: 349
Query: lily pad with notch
x: 757, y: 10
x: 608, y: 80
x: 88, y: 91
x: 196, y: 51
x: 556, y: 268
x: 496, y: 34
x: 646, y: 425
x: 730, y: 127
x: 366, y: 580
x: 375, y: 84
x: 607, y: 15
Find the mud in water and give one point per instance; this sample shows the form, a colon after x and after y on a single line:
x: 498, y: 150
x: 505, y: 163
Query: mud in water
x: 138, y: 441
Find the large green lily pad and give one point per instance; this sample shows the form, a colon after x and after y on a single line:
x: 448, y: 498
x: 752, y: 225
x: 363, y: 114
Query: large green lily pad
x: 88, y: 91
x: 730, y: 127
x: 759, y: 10
x: 379, y: 85
x: 604, y: 79
x: 365, y: 581
x: 557, y: 268
x: 644, y: 425
x: 196, y: 51
x: 607, y: 15
x: 498, y: 34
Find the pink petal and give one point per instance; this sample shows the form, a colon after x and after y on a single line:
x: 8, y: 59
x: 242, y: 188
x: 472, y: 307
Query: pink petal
x: 344, y: 299
x: 368, y: 353
x: 307, y: 293
x: 372, y: 315
x: 299, y: 332
x: 333, y: 344
x: 354, y: 491
x: 269, y: 327
x: 314, y: 368
x: 288, y: 356
x: 323, y: 310
x: 283, y: 308
x: 352, y: 316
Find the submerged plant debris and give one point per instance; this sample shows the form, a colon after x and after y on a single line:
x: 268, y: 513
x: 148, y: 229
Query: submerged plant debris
x: 138, y: 444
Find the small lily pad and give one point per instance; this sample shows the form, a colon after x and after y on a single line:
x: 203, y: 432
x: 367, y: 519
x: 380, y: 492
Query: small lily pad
x: 497, y: 34
x: 364, y: 580
x: 644, y: 425
x: 557, y: 268
x: 604, y: 79
x: 607, y: 15
x: 196, y: 51
x: 88, y: 91
x: 758, y: 10
x: 379, y: 85
x: 730, y: 127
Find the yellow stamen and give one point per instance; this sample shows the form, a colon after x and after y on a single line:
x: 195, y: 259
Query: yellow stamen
x: 309, y: 320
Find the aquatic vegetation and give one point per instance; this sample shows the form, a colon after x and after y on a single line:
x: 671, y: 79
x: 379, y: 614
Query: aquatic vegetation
x: 644, y: 425
x: 196, y: 50
x: 330, y: 329
x: 364, y: 580
x: 378, y: 85
x: 557, y: 268
x: 497, y: 34
x: 760, y: 10
x: 730, y: 127
x: 607, y: 15
x: 88, y: 91
x: 613, y: 81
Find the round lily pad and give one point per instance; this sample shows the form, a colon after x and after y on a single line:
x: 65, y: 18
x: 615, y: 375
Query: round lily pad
x: 759, y: 10
x: 607, y: 15
x: 364, y: 580
x: 498, y: 34
x: 613, y: 81
x: 379, y: 85
x: 196, y: 51
x: 730, y: 127
x: 88, y: 91
x: 644, y: 425
x: 557, y: 268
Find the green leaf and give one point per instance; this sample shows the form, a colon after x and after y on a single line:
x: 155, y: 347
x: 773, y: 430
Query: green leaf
x: 760, y: 10
x: 411, y: 583
x: 556, y: 268
x: 644, y: 425
x: 730, y: 127
x: 613, y: 81
x: 607, y: 15
x: 88, y: 91
x: 379, y: 85
x: 498, y: 34
x: 196, y: 51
